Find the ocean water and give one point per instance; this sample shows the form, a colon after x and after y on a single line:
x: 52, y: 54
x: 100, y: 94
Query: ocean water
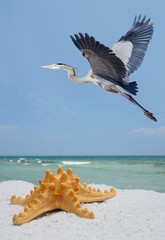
x: 122, y: 172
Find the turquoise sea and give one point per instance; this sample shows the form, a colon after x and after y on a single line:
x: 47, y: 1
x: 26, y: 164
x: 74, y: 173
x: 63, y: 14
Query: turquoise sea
x: 123, y: 172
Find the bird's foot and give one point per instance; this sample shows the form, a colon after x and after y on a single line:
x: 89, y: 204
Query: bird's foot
x: 150, y: 115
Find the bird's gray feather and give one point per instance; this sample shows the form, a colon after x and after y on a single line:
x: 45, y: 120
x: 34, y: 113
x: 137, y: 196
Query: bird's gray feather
x: 103, y: 61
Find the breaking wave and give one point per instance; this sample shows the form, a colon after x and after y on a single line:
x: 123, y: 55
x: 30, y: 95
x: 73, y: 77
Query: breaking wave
x: 74, y: 163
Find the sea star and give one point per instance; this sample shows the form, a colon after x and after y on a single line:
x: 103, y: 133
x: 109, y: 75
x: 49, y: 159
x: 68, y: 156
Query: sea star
x: 61, y: 191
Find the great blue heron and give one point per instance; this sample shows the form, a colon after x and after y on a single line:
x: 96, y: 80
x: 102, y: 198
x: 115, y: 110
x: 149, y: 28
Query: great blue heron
x: 110, y: 69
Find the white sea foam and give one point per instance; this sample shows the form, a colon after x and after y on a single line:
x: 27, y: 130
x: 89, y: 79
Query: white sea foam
x: 45, y: 164
x: 39, y: 161
x: 74, y: 163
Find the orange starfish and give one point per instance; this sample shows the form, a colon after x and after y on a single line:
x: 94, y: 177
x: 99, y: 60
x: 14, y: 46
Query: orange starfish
x: 61, y: 191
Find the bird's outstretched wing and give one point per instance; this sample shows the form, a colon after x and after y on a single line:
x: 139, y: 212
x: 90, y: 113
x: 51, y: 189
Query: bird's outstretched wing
x: 102, y: 60
x: 131, y: 48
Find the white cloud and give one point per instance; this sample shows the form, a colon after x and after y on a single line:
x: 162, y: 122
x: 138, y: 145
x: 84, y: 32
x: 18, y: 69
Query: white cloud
x: 67, y: 110
x: 37, y: 100
x: 49, y: 138
x: 31, y: 96
x: 76, y: 114
x: 7, y: 129
x: 42, y: 101
x: 149, y: 131
x: 55, y: 138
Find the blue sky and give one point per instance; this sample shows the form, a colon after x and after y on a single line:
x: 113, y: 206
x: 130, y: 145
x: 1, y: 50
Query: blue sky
x: 43, y: 113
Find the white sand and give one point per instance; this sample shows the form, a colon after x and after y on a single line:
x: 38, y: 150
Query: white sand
x: 131, y: 214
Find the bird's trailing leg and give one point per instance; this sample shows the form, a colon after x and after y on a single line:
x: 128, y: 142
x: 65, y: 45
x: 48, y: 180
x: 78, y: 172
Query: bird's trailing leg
x: 147, y: 113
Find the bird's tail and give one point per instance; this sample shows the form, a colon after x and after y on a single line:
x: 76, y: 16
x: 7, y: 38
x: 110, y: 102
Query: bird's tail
x: 147, y: 113
x: 131, y: 87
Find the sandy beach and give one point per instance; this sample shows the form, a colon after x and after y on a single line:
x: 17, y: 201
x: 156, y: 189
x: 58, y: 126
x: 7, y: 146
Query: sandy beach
x: 131, y: 214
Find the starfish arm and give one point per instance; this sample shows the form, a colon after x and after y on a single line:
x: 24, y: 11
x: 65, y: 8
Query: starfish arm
x: 49, y: 180
x: 90, y: 195
x: 72, y: 205
x: 40, y: 205
x: 28, y: 199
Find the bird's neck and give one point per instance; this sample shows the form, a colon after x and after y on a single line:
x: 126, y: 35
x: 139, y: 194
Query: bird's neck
x: 72, y: 76
x: 71, y: 73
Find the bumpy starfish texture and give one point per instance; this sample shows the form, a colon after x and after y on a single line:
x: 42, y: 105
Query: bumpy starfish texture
x: 61, y: 191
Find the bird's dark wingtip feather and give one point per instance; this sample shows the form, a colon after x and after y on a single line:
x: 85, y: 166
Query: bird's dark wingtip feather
x: 76, y: 41
x: 134, y: 20
x: 76, y: 36
x: 81, y: 35
x: 86, y: 35
x: 71, y: 37
x: 143, y: 19
x: 139, y: 21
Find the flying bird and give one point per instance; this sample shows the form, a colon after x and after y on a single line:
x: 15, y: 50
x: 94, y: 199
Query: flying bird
x: 111, y: 68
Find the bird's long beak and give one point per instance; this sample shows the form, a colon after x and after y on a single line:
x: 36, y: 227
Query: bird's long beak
x: 48, y: 66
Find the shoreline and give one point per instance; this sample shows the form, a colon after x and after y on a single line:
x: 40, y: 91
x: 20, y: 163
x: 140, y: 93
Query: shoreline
x: 131, y: 214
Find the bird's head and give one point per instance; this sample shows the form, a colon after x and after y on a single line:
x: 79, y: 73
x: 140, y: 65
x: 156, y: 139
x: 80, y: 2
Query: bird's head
x: 56, y: 66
